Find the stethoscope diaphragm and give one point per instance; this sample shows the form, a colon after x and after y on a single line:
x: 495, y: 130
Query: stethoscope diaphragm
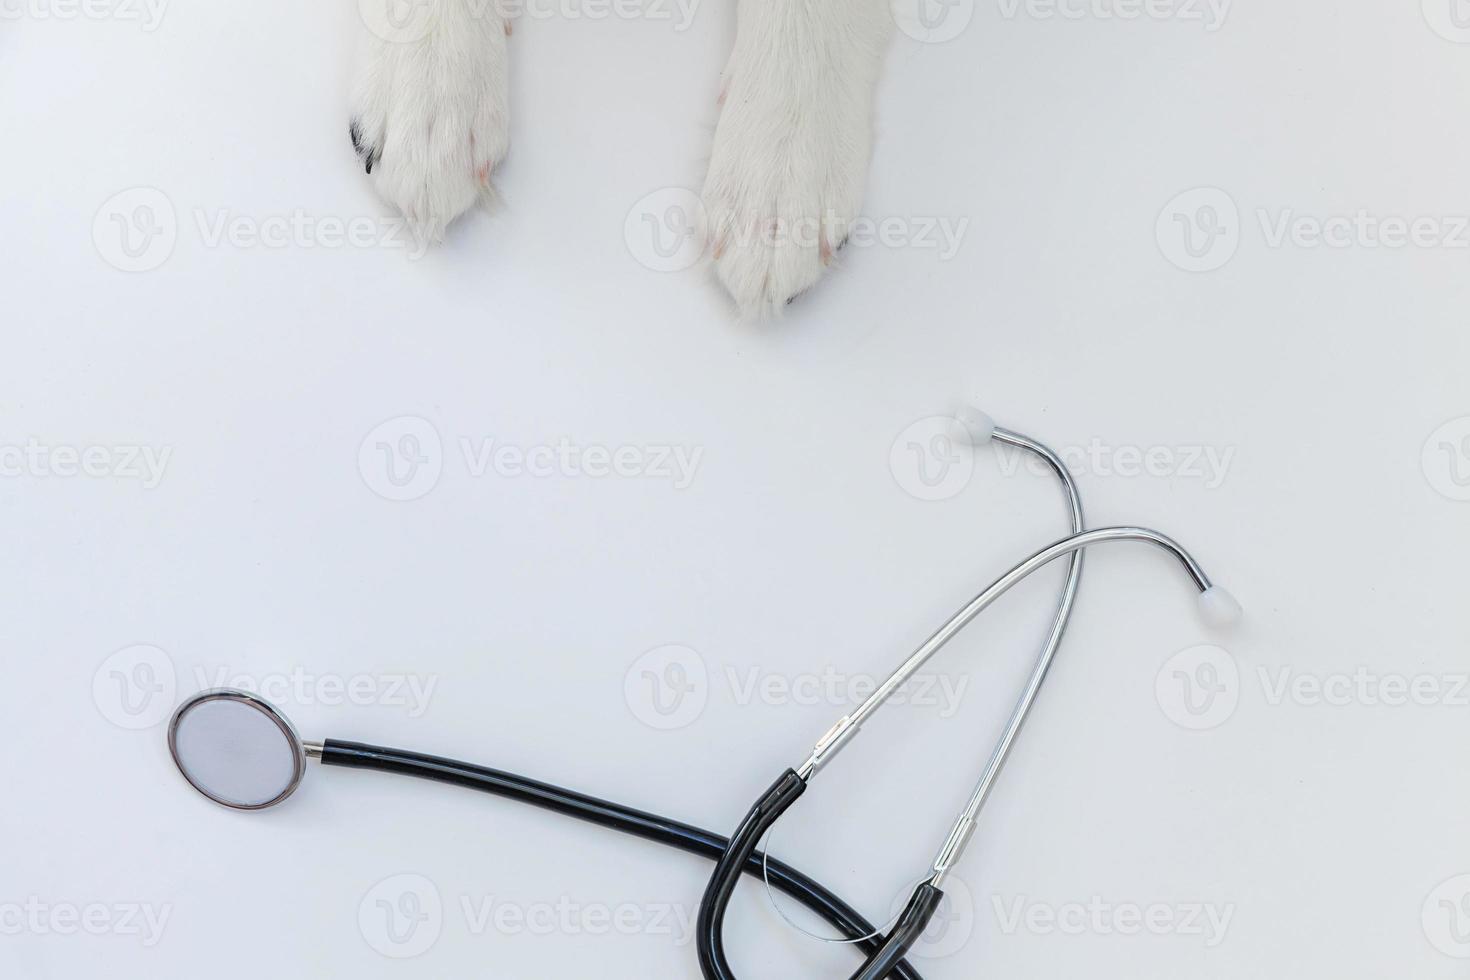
x: 236, y: 749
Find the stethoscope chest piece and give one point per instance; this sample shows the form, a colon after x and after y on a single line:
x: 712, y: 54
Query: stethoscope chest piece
x: 236, y: 749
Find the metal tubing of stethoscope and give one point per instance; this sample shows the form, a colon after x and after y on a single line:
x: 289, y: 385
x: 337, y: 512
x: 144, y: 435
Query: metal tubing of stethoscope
x: 960, y: 835
x: 964, y: 827
x: 844, y: 730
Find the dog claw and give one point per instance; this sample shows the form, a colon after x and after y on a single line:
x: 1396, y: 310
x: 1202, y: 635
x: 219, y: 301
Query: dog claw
x: 370, y: 155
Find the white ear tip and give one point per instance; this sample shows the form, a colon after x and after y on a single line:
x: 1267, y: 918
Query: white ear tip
x: 977, y: 425
x: 1219, y: 608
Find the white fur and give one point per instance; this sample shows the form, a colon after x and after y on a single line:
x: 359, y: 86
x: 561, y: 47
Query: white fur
x: 431, y: 110
x: 791, y: 151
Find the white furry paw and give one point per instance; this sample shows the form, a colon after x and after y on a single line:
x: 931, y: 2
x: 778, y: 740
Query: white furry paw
x: 792, y: 147
x: 430, y: 118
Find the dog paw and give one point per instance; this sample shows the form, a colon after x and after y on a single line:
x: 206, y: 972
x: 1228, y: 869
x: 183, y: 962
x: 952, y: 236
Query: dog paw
x: 430, y: 118
x: 792, y: 147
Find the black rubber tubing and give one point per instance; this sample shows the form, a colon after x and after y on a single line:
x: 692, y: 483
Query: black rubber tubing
x: 885, y: 956
x: 910, y: 927
x: 649, y: 826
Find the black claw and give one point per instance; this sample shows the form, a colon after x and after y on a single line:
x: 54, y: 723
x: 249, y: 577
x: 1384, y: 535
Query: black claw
x: 365, y: 151
x: 843, y: 244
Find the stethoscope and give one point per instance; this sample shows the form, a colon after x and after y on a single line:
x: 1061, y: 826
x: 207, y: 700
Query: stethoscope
x: 241, y: 752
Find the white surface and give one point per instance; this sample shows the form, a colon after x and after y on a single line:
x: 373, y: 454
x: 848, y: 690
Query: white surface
x: 1331, y: 826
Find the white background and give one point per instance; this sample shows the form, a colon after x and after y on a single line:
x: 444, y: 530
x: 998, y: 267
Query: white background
x: 1325, y: 830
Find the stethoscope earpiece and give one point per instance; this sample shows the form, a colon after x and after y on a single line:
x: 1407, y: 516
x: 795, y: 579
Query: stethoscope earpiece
x: 1218, y: 608
x: 977, y: 427
x: 236, y: 749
